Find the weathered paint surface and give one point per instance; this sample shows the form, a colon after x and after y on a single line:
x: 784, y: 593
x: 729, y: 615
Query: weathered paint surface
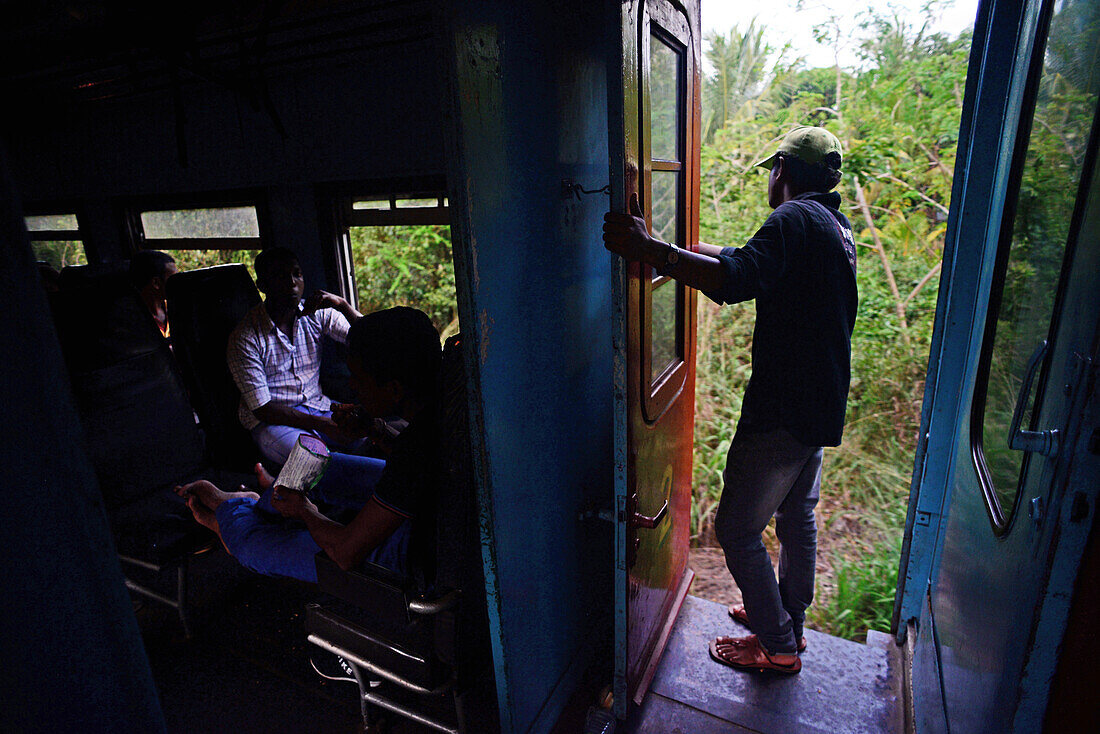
x: 529, y: 110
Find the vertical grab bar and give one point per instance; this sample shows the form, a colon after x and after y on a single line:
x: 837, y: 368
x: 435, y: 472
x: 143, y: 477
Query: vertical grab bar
x: 1039, y: 442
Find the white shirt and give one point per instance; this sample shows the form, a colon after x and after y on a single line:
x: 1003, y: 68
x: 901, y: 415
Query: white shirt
x: 270, y: 367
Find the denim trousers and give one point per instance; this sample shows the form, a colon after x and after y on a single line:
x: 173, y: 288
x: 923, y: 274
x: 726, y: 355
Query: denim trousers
x: 771, y: 474
x: 262, y: 540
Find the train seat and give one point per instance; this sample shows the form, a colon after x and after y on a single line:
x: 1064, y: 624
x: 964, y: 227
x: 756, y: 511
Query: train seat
x: 92, y: 274
x: 418, y: 644
x: 139, y: 430
x: 204, y: 306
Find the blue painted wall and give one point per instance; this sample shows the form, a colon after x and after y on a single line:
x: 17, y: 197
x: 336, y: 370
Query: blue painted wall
x: 530, y: 110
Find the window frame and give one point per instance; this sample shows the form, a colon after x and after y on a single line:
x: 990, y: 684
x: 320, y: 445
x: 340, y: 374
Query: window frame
x: 133, y: 209
x: 1002, y: 519
x: 344, y: 216
x: 660, y: 390
x: 56, y: 208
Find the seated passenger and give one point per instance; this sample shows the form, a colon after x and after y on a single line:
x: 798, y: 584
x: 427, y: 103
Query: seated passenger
x: 394, y: 358
x: 149, y: 269
x: 274, y: 355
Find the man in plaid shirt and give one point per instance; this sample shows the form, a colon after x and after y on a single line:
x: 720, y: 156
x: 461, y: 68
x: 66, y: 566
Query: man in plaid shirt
x: 274, y: 355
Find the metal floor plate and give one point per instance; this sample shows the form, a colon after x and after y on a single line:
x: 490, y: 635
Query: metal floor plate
x: 844, y: 687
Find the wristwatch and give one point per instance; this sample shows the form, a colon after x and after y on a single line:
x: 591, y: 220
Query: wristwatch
x: 672, y: 256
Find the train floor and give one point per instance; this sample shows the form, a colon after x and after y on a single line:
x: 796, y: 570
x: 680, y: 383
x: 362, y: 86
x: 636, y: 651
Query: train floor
x: 246, y: 668
x: 844, y: 687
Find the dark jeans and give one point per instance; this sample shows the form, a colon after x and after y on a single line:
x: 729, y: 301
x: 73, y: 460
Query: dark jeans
x: 771, y: 474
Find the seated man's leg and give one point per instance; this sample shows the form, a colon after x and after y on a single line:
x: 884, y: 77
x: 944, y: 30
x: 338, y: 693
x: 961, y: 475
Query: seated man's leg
x: 348, y: 481
x: 276, y: 442
x: 263, y: 544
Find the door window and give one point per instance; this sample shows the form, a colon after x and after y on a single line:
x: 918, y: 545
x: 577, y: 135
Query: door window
x: 664, y: 129
x: 1046, y: 178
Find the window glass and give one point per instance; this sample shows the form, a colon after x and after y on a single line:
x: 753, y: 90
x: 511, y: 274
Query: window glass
x: 664, y: 76
x: 417, y: 203
x: 1064, y: 110
x: 195, y: 259
x: 59, y: 253
x: 237, y: 221
x: 51, y: 222
x: 371, y: 204
x: 406, y: 265
x: 664, y: 312
x: 666, y: 185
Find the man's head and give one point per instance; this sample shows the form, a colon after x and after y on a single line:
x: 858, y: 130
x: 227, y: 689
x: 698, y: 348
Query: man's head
x: 394, y: 358
x: 149, y: 269
x: 808, y: 160
x: 279, y: 276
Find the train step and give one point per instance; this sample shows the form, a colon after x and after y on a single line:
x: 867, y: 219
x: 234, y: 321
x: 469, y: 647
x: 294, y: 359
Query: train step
x: 844, y: 687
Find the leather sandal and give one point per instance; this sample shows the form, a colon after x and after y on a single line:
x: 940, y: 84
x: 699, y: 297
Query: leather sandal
x: 746, y: 653
x: 740, y: 616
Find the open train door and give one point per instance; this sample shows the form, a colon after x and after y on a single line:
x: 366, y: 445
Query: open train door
x: 1008, y: 474
x: 654, y: 144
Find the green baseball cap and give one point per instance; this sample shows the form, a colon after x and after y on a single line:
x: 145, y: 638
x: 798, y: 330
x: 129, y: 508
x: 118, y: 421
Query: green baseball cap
x: 811, y: 144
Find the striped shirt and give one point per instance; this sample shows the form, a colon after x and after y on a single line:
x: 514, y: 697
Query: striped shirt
x: 270, y: 367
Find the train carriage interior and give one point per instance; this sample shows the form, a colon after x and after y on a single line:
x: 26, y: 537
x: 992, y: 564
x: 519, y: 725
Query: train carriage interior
x: 556, y: 595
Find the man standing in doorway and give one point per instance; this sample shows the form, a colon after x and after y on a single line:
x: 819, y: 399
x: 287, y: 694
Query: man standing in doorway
x: 800, y: 269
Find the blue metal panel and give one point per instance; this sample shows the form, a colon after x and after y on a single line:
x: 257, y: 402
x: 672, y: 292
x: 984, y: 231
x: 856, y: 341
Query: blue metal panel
x: 1072, y: 503
x: 991, y: 109
x: 530, y: 110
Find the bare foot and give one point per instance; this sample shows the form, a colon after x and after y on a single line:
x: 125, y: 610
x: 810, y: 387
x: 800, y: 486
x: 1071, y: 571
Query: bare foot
x: 209, y: 495
x: 263, y: 478
x: 205, y: 517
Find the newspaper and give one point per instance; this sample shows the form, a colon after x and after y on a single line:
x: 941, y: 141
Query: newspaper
x: 305, y: 465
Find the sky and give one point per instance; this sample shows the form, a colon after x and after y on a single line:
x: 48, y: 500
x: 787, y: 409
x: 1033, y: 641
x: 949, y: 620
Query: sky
x: 785, y: 24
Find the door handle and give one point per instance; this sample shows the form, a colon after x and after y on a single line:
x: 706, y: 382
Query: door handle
x: 638, y: 520
x: 1040, y: 442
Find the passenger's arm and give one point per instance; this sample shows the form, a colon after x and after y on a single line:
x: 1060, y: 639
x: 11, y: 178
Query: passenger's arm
x: 627, y: 235
x: 281, y: 415
x: 323, y: 299
x: 349, y: 544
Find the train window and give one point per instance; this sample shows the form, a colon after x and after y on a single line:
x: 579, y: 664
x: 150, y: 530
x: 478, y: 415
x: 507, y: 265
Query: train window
x: 201, y: 237
x: 664, y: 145
x: 1046, y: 174
x: 398, y: 252
x: 56, y: 239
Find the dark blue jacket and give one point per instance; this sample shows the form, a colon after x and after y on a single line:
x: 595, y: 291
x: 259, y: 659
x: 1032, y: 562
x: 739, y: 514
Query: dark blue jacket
x: 801, y: 269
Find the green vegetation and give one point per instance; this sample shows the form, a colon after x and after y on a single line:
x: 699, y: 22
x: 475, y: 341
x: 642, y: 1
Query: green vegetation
x: 59, y: 253
x: 406, y: 266
x: 194, y: 259
x: 897, y: 116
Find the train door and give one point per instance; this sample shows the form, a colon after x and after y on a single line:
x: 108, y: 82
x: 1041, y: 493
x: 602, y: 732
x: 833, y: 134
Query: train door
x: 1007, y: 484
x: 657, y: 159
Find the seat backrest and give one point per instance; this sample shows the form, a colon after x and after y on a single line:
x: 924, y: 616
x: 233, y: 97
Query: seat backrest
x: 444, y: 554
x: 86, y: 276
x: 138, y: 424
x: 462, y: 639
x: 204, y: 306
